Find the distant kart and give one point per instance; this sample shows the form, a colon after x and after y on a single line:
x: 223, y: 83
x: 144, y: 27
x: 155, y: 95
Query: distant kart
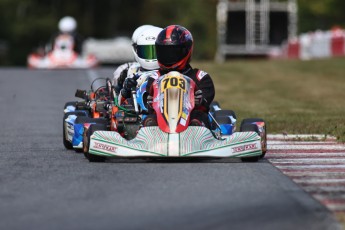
x: 173, y: 137
x: 62, y: 57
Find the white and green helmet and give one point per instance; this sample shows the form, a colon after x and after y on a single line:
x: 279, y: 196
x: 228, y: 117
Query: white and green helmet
x: 144, y: 46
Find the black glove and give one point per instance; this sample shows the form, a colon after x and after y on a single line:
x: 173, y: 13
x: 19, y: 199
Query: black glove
x: 127, y: 87
x: 117, y: 89
x: 125, y: 93
x: 198, y: 98
x: 120, y: 81
x: 129, y: 84
x: 122, y: 77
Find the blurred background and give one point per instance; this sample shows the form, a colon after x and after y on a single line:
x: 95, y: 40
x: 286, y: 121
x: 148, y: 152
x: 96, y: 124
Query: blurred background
x: 28, y: 24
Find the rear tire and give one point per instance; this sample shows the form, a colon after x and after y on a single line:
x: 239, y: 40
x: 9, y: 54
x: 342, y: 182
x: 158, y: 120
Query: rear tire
x: 222, y: 117
x: 251, y: 120
x: 66, y: 143
x: 86, y: 142
x: 214, y: 104
x: 81, y: 120
x: 224, y: 113
x: 70, y: 103
x: 248, y: 128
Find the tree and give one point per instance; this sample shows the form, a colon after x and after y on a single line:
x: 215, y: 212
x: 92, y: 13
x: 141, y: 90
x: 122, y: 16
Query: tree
x: 320, y: 14
x: 25, y: 24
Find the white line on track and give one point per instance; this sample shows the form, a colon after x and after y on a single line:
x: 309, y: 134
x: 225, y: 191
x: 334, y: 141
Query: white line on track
x: 319, y: 181
x: 303, y: 155
x: 311, y: 174
x: 310, y: 167
x: 334, y: 197
x: 306, y: 147
x: 275, y: 142
x: 309, y: 160
x: 302, y: 136
x: 336, y: 207
x: 324, y: 189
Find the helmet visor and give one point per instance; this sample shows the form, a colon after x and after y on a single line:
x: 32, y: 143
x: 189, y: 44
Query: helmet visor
x: 170, y: 54
x: 146, y: 51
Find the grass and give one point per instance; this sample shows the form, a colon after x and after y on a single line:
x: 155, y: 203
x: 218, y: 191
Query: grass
x: 341, y: 217
x: 301, y: 97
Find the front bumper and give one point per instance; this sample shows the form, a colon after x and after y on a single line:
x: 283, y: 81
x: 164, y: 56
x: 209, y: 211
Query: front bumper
x: 194, y: 142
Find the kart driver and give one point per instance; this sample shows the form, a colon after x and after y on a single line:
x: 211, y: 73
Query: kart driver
x: 127, y: 75
x: 120, y: 74
x: 67, y: 26
x: 174, y: 47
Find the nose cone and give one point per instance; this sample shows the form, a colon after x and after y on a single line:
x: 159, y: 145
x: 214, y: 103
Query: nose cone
x: 173, y: 108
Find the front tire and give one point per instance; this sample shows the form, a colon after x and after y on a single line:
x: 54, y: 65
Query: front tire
x: 86, y: 142
x: 262, y: 132
x: 250, y: 128
x: 83, y: 120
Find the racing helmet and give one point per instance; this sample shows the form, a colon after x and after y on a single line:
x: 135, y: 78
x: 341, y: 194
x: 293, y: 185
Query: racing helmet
x: 67, y: 24
x: 174, y: 47
x: 135, y: 36
x: 137, y: 31
x: 145, y: 48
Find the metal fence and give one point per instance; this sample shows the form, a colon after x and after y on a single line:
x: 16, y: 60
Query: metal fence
x: 254, y: 27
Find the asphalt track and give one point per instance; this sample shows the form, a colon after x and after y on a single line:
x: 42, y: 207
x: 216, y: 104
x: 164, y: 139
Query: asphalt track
x: 44, y: 186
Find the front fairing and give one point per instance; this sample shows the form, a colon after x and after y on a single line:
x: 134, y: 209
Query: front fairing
x: 173, y: 101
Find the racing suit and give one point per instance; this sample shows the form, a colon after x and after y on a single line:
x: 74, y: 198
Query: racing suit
x: 203, y: 82
x: 122, y: 72
x: 127, y: 71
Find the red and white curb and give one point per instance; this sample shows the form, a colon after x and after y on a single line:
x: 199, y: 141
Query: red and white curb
x: 318, y: 165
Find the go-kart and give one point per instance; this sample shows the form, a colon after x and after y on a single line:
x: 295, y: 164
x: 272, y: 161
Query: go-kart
x: 173, y: 103
x: 62, y: 56
x: 94, y: 109
x: 101, y: 106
